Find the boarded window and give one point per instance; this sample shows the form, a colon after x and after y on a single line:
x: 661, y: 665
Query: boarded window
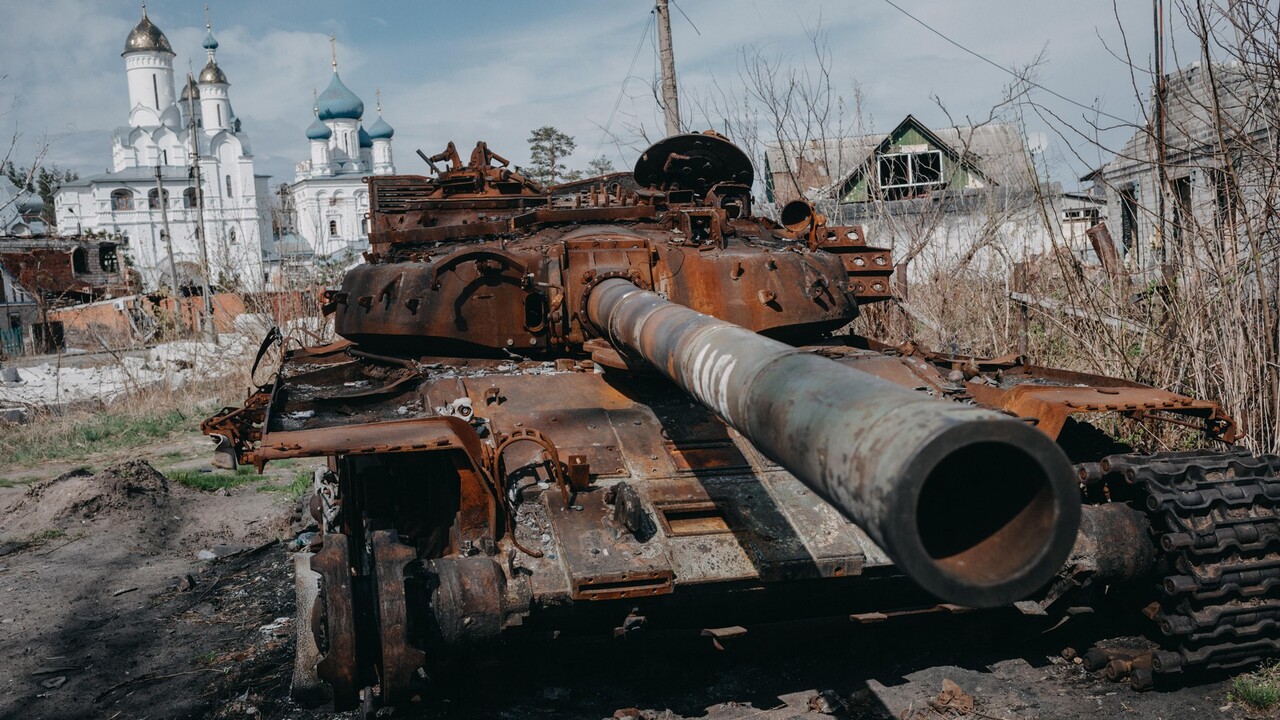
x: 228, y: 186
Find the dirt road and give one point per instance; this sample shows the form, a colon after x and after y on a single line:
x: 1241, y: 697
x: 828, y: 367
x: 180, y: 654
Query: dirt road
x: 107, y: 612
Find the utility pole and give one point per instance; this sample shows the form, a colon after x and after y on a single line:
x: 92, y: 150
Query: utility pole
x: 670, y: 98
x: 204, y: 250
x: 1161, y: 180
x: 168, y: 243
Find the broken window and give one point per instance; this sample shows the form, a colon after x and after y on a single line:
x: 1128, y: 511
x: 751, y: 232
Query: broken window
x: 1128, y: 217
x: 121, y: 200
x: 1226, y: 198
x: 1182, y: 219
x: 1085, y: 215
x: 79, y: 261
x: 906, y: 175
x: 107, y: 259
x: 333, y: 227
x: 189, y: 198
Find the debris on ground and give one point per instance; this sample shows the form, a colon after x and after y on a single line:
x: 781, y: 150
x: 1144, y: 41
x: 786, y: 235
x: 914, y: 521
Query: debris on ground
x: 952, y: 700
x: 827, y: 702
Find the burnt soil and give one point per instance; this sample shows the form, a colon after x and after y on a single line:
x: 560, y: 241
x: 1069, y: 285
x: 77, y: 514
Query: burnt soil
x: 105, y: 612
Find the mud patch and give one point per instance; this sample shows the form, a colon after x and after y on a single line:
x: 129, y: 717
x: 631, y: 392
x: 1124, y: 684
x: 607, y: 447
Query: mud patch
x: 130, y: 493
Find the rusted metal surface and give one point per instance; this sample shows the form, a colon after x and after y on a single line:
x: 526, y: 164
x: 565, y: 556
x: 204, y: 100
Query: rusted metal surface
x: 879, y: 453
x: 334, y: 622
x: 1053, y: 404
x: 625, y: 404
x: 400, y: 660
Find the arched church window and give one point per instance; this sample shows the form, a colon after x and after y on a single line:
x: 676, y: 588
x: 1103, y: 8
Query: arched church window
x: 228, y: 186
x: 153, y: 199
x: 364, y: 225
x: 121, y: 200
x: 189, y: 198
x: 333, y: 227
x: 232, y: 237
x: 79, y: 261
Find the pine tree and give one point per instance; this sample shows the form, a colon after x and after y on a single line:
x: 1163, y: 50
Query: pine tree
x: 547, y: 150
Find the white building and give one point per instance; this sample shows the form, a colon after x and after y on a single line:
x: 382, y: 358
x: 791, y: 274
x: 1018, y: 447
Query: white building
x: 329, y: 195
x: 126, y: 202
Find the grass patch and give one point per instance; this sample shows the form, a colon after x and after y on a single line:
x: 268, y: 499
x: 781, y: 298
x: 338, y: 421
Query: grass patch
x: 211, y: 481
x: 1259, y: 689
x: 34, y: 540
x: 45, y: 536
x: 84, y: 434
x: 11, y: 482
x: 294, y: 489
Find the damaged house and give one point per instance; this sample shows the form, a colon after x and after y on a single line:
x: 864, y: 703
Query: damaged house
x: 1220, y: 173
x: 40, y: 271
x: 944, y: 199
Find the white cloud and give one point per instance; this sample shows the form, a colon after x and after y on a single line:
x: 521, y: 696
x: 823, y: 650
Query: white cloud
x: 468, y: 72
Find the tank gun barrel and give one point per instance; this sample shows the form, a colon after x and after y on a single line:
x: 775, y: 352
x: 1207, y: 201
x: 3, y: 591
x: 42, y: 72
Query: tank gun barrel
x: 975, y: 506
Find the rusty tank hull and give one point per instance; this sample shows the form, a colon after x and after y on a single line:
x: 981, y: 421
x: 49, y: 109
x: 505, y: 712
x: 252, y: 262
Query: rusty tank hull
x: 631, y: 405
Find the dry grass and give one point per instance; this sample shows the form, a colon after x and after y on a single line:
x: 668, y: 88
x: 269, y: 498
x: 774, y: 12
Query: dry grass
x: 143, y: 417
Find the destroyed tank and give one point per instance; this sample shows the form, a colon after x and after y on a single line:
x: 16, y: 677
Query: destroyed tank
x: 632, y: 403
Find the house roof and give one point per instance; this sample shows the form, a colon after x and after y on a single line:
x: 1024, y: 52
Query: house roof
x: 825, y: 167
x: 168, y: 173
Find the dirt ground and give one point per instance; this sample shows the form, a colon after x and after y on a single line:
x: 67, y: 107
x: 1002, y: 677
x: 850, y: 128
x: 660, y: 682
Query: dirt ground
x: 106, y: 612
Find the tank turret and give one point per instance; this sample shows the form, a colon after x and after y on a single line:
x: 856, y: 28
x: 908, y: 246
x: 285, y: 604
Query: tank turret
x: 633, y: 400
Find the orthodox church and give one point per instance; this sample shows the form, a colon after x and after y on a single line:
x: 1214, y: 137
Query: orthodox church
x: 20, y: 211
x: 153, y: 175
x: 329, y: 196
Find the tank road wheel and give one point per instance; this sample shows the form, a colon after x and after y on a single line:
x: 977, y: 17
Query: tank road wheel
x: 334, y: 621
x: 400, y: 660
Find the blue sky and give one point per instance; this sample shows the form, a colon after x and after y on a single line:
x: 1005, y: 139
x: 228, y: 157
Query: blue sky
x: 495, y: 70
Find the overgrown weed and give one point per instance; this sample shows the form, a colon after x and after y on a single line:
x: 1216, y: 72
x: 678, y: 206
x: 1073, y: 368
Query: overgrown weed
x: 1259, y: 689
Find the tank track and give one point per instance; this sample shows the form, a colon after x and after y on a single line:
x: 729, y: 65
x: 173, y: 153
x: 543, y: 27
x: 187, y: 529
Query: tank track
x: 1216, y: 516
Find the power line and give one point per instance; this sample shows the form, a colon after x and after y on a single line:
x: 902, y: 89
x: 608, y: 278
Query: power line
x: 644, y: 34
x: 686, y: 17
x: 1004, y: 69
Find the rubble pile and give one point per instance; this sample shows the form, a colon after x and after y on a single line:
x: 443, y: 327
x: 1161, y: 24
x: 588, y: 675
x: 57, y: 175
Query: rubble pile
x: 81, y: 377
